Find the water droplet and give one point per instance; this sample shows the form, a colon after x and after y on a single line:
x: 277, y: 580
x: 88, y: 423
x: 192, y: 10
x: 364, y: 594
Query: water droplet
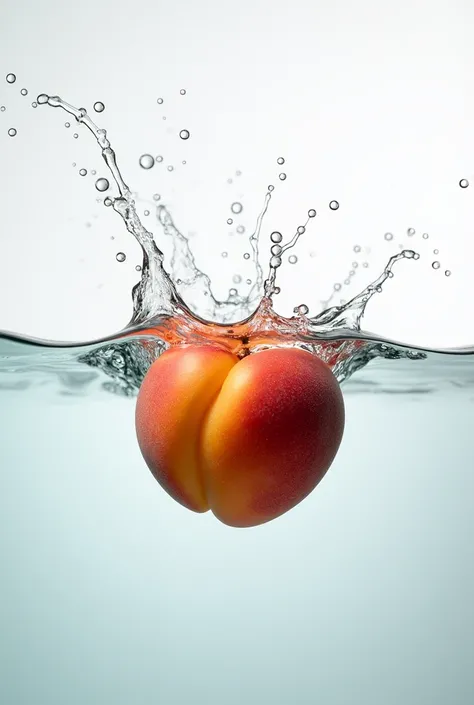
x: 183, y: 162
x: 156, y: 196
x: 170, y: 167
x: 75, y: 135
x: 236, y: 278
x: 280, y: 160
x: 107, y: 201
x: 365, y: 264
x: 248, y: 281
x: 83, y: 172
x: 159, y: 158
x: 292, y: 259
x: 464, y: 183
x: 236, y: 207
x: 240, y: 229
x: 224, y: 254
x: 337, y: 287
x: 436, y: 265
x: 10, y: 78
x: 388, y: 236
x: 138, y: 268
x: 311, y: 213
x: 334, y: 205
x: 183, y: 91
x: 276, y: 250
x: 271, y: 187
x: 447, y: 273
x: 2, y: 108
x: 246, y: 255
x: 184, y: 134
x: 302, y: 310
x: 12, y: 132
x: 411, y: 232
x: 301, y: 229
x: 276, y: 236
x: 282, y: 176
x: 67, y: 124
x: 159, y: 101
x: 146, y: 212
x: 232, y: 292
x: 42, y: 99
x: 146, y: 161
x: 355, y: 265
x: 24, y: 91
x: 425, y: 236
x: 99, y: 107
x: 436, y: 252
x: 357, y: 248
x: 120, y: 256
x: 102, y: 184
x: 93, y: 172
x: 275, y: 262
x: 34, y: 104
x: 229, y: 221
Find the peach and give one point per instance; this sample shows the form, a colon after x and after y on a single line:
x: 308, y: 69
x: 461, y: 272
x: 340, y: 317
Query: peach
x: 248, y: 439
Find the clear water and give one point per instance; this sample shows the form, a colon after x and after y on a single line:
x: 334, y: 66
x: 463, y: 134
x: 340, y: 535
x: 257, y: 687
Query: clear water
x: 113, y: 593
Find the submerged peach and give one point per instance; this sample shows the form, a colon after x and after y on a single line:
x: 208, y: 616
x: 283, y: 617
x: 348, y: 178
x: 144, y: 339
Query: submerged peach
x: 248, y: 439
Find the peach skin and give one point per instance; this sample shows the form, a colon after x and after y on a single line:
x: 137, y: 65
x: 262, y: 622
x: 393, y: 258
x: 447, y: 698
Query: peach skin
x: 248, y: 439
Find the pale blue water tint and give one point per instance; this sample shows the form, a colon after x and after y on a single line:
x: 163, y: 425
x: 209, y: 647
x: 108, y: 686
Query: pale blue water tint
x: 113, y: 593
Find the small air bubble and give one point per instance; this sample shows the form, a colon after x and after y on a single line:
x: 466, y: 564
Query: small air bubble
x: 183, y: 162
x: 236, y: 207
x: 276, y: 290
x: 388, y: 236
x: 12, y: 132
x: 93, y: 172
x: 292, y: 259
x: 447, y: 273
x: 334, y: 205
x: 159, y: 158
x: 10, y: 78
x: 425, y: 236
x: 108, y: 202
x: 246, y: 255
x: 75, y: 135
x: 411, y: 232
x: 248, y: 281
x: 146, y: 161
x: 378, y: 289
x: 311, y: 213
x: 34, y: 104
x: 232, y: 292
x: 280, y: 160
x: 271, y: 187
x: 229, y: 221
x: 355, y: 265
x: 2, y: 108
x: 357, y: 248
x: 42, y: 99
x: 337, y: 287
x: 282, y: 176
x: 102, y: 184
x: 99, y: 107
x: 301, y: 229
x: 276, y: 236
x: 67, y: 124
x: 170, y: 167
x: 236, y: 278
x: 276, y: 250
x: 156, y: 196
x: 365, y: 264
x: 120, y: 256
x: 240, y: 229
x: 436, y: 252
x: 74, y: 164
x: 464, y: 183
x: 82, y: 172
x: 146, y: 212
x: 164, y: 117
x: 238, y: 173
x: 436, y: 264
x: 184, y: 134
x: 416, y: 256
x: 24, y: 91
x: 183, y: 91
x: 159, y: 101
x: 138, y: 268
x: 347, y: 281
x: 224, y: 254
x: 275, y: 262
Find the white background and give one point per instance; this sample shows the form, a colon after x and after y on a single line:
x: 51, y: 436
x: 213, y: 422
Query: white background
x: 370, y: 103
